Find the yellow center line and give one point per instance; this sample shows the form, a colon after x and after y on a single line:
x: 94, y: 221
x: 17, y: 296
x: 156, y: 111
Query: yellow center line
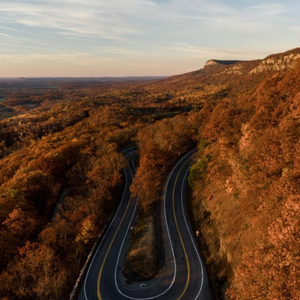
x: 114, y: 237
x: 110, y: 245
x: 181, y: 240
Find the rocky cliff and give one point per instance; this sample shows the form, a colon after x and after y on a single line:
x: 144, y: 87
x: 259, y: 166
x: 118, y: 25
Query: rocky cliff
x: 278, y: 62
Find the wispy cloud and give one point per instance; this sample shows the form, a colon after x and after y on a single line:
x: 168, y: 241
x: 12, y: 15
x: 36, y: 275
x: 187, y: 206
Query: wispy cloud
x: 119, y: 19
x: 4, y: 34
x: 24, y: 31
x: 265, y: 9
x: 166, y: 32
x: 295, y: 28
x: 94, y: 18
x: 21, y: 42
x: 28, y: 47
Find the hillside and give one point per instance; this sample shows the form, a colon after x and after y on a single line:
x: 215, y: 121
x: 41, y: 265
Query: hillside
x: 246, y: 182
x: 61, y: 150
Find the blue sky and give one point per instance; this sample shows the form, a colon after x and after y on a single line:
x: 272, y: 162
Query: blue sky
x: 139, y: 37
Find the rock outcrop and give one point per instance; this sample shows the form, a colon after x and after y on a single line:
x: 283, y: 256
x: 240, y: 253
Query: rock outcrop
x: 277, y: 63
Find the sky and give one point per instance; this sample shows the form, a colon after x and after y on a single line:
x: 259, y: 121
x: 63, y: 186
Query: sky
x: 78, y: 38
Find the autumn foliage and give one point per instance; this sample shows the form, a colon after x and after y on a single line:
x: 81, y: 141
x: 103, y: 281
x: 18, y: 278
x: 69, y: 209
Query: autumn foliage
x: 61, y: 173
x: 160, y: 145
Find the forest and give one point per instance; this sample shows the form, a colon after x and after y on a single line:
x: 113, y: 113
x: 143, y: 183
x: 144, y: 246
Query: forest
x: 61, y: 173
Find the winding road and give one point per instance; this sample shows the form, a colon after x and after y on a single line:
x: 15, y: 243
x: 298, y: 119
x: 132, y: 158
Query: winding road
x: 184, y: 276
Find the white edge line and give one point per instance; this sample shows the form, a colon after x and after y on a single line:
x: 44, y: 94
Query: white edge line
x: 202, y: 277
x: 168, y: 231
x: 125, y: 190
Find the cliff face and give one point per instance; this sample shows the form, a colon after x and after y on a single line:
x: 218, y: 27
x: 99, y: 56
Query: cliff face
x: 277, y: 63
x: 246, y: 199
x: 213, y: 62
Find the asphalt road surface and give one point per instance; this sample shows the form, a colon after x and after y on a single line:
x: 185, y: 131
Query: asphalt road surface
x: 183, y: 277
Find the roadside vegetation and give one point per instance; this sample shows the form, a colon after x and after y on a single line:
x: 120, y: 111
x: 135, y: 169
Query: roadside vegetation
x: 142, y: 261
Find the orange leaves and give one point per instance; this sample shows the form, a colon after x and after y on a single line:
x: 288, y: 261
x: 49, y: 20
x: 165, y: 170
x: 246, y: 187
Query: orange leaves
x: 160, y: 144
x: 105, y: 171
x: 20, y: 223
x: 34, y: 274
x: 271, y: 268
x: 58, y: 162
x: 88, y: 230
